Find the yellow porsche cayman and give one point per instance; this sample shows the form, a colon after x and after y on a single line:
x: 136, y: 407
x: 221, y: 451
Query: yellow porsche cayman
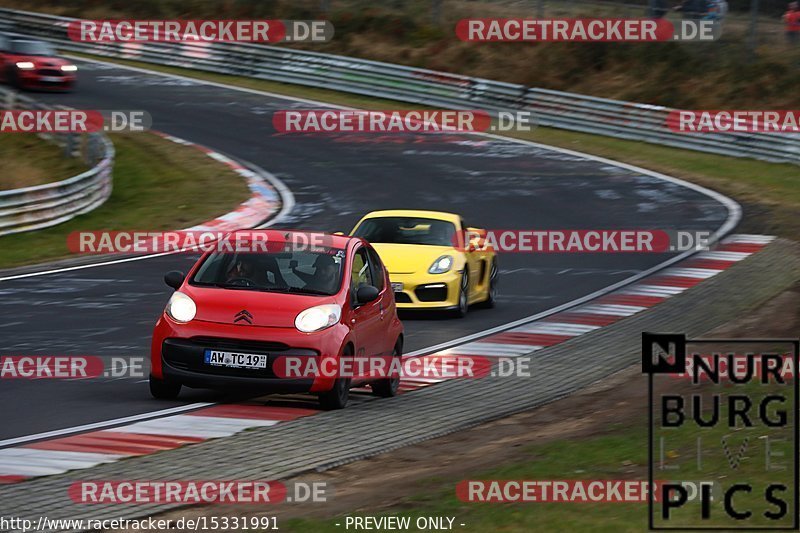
x: 434, y: 260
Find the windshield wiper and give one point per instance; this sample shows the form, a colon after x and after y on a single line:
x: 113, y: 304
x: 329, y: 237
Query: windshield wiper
x: 301, y: 290
x: 227, y: 286
x: 306, y: 290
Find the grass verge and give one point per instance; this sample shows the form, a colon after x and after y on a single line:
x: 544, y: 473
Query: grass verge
x: 769, y: 192
x: 618, y: 452
x: 29, y: 160
x: 158, y: 185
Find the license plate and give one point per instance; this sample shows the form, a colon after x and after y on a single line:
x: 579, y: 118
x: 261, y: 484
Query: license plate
x: 397, y: 287
x: 51, y: 79
x: 235, y: 360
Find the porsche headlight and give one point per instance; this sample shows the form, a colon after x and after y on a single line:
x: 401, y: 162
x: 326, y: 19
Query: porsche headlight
x: 181, y: 308
x: 24, y: 65
x: 318, y: 318
x: 441, y: 265
x: 69, y: 68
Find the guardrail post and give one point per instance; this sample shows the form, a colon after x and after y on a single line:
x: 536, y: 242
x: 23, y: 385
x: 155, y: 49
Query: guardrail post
x: 70, y: 142
x: 436, y: 12
x: 93, y: 148
x: 752, y: 38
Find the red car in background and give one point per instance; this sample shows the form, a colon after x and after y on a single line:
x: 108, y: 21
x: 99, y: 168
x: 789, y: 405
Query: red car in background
x: 30, y: 64
x: 236, y: 313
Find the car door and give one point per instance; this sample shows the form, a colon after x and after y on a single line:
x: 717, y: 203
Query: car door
x: 367, y: 326
x: 386, y: 302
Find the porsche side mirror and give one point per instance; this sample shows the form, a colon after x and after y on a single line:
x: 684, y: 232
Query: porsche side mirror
x: 174, y: 279
x: 366, y: 294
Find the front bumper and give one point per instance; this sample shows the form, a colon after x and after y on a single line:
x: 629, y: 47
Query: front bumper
x: 429, y: 291
x: 183, y: 361
x: 177, y: 354
x: 37, y: 80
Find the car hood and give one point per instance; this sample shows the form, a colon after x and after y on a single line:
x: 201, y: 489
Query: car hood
x: 264, y: 309
x: 410, y: 258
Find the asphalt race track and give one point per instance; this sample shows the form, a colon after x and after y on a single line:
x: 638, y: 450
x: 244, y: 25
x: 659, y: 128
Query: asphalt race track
x: 109, y: 310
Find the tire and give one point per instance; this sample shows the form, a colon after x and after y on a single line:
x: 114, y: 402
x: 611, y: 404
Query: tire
x: 463, y: 297
x: 491, y: 298
x: 387, y: 388
x: 12, y: 78
x: 338, y: 396
x: 164, y: 390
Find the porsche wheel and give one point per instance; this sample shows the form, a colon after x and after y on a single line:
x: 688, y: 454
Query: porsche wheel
x: 463, y: 297
x: 491, y: 298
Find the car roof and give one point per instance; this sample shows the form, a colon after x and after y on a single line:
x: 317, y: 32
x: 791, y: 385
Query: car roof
x: 436, y: 215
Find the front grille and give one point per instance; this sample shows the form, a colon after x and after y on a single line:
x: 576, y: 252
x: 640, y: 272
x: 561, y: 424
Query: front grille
x: 431, y: 293
x: 402, y: 298
x: 189, y: 355
x: 239, y: 345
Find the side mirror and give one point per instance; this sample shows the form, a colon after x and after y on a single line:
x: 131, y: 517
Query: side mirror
x: 366, y: 294
x: 174, y: 279
x: 475, y: 238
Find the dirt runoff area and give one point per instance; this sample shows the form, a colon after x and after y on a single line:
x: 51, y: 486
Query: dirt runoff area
x: 385, y: 481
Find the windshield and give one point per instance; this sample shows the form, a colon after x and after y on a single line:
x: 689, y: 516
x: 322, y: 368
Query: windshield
x: 407, y: 230
x: 317, y: 272
x: 32, y: 48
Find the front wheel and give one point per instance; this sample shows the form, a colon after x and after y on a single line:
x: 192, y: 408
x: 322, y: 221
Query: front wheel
x: 463, y: 297
x: 388, y: 387
x: 12, y: 79
x: 491, y: 297
x: 164, y: 390
x: 337, y: 397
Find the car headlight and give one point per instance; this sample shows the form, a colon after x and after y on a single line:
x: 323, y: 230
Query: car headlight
x: 441, y: 265
x: 181, y: 308
x: 69, y: 68
x: 318, y: 318
x: 25, y: 65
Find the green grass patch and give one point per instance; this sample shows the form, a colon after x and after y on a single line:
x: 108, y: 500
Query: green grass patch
x: 769, y: 191
x: 609, y: 456
x: 619, y: 452
x: 29, y: 160
x: 158, y: 185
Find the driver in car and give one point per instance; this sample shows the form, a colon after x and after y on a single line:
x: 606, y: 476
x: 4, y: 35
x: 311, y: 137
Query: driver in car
x: 243, y: 268
x: 325, y: 277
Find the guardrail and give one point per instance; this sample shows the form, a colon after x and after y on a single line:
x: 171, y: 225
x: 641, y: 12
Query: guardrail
x: 588, y: 114
x: 42, y: 206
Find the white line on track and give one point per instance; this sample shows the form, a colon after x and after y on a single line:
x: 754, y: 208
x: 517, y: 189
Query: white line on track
x: 104, y: 424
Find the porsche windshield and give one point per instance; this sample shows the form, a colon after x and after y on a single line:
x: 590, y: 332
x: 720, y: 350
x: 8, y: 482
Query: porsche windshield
x: 302, y: 272
x: 32, y: 48
x: 407, y: 230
